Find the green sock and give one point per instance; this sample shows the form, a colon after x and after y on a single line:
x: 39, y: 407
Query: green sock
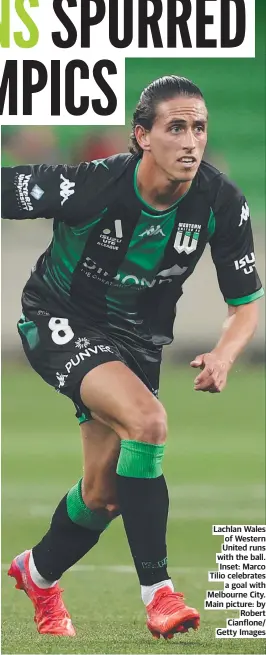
x: 79, y: 513
x: 143, y: 500
x: 140, y: 460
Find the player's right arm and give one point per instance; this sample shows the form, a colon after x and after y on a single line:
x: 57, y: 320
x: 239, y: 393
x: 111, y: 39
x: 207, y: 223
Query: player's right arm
x: 41, y: 191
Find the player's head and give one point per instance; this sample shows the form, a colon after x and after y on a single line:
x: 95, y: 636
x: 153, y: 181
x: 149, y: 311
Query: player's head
x: 170, y: 123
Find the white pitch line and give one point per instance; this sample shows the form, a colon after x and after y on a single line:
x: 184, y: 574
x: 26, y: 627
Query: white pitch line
x: 114, y: 568
x: 216, y: 514
x: 217, y: 492
x: 185, y: 491
x: 212, y: 513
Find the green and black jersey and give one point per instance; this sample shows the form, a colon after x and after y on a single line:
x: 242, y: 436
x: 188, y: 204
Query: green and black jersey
x: 119, y: 264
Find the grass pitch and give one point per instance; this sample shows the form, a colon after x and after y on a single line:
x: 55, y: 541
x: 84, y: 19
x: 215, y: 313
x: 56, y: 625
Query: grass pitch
x: 215, y: 469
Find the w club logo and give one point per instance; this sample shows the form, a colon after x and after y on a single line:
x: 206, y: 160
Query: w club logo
x: 186, y: 242
x: 66, y: 189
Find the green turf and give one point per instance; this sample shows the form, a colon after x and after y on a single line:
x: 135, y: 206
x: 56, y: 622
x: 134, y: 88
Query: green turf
x: 215, y: 468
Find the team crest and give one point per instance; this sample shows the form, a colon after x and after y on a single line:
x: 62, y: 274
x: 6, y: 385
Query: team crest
x: 187, y: 237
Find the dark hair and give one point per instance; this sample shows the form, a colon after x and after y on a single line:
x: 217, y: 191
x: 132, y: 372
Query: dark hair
x: 161, y: 89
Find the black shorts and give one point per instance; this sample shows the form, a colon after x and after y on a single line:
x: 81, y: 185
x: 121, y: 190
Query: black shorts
x: 63, y: 353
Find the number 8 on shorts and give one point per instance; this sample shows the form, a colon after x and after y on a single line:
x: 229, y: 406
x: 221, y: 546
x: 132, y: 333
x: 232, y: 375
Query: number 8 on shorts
x: 61, y: 330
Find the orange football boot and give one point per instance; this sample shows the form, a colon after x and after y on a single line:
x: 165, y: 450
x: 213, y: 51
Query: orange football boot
x: 168, y: 614
x: 51, y: 616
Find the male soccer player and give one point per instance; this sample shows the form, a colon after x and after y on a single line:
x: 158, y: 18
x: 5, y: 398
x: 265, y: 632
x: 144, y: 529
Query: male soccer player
x: 98, y: 309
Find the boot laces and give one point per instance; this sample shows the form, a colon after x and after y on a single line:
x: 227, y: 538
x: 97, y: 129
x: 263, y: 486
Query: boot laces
x: 51, y: 605
x: 169, y: 602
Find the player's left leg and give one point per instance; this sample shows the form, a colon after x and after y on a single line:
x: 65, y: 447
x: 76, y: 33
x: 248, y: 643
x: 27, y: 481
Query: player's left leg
x: 78, y: 521
x: 119, y: 399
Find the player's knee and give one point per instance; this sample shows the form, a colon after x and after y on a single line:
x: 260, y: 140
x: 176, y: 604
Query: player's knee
x: 150, y: 426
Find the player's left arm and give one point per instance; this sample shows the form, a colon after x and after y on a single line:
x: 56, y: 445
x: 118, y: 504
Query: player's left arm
x: 232, y: 249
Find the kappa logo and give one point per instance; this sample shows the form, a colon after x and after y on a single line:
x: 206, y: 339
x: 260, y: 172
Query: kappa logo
x: 61, y: 379
x: 245, y: 214
x: 152, y: 231
x: 67, y: 189
x: 187, y: 237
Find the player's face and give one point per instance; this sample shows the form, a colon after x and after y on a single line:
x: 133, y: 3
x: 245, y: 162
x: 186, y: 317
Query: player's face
x: 178, y: 137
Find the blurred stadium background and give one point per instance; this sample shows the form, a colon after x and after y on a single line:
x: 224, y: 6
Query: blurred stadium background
x: 235, y: 94
x: 215, y: 457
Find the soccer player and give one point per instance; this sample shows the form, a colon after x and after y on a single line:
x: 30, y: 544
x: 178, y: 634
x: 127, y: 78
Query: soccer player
x: 98, y: 309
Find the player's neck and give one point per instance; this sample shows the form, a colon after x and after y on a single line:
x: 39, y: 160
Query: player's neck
x: 156, y: 189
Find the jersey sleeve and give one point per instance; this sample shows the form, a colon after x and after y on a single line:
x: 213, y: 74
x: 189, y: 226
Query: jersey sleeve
x: 232, y: 246
x: 62, y: 192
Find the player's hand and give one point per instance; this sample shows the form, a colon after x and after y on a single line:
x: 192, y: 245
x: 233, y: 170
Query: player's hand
x: 214, y: 373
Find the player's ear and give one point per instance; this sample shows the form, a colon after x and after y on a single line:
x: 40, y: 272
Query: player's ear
x: 143, y: 137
